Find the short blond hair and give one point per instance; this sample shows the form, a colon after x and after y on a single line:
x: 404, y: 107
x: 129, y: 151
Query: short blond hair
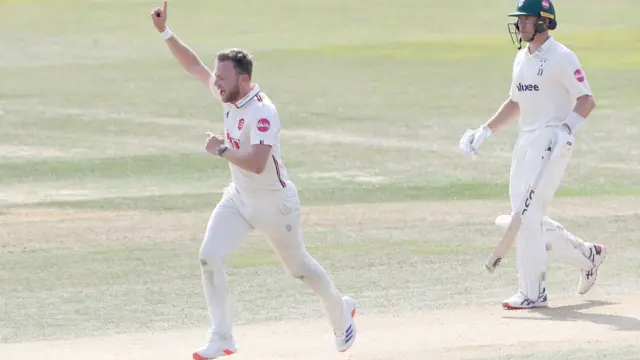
x: 241, y: 59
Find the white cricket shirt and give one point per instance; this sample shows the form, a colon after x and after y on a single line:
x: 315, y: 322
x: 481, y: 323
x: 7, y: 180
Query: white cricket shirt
x: 254, y: 120
x: 546, y: 84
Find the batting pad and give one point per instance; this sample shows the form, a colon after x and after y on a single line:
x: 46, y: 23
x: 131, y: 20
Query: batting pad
x: 531, y: 256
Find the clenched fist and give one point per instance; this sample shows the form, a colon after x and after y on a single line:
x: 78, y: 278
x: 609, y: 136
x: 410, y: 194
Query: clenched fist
x: 213, y: 143
x: 159, y: 17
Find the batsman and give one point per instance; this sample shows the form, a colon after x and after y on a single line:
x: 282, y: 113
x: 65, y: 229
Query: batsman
x: 551, y: 96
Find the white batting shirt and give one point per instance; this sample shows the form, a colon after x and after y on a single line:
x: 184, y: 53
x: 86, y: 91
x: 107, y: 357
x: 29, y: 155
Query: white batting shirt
x: 254, y: 120
x: 546, y: 84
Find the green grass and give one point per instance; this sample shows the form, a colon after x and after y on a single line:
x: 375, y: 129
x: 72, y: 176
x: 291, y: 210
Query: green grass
x: 373, y: 96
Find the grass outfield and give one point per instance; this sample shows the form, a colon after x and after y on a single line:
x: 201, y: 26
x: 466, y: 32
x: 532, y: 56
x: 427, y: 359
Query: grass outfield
x: 105, y: 189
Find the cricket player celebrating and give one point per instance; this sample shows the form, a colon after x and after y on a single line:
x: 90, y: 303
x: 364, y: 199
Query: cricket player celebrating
x: 261, y: 195
x: 551, y: 94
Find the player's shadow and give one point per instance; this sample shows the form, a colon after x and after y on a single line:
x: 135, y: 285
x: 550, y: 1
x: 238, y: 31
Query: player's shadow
x: 572, y: 313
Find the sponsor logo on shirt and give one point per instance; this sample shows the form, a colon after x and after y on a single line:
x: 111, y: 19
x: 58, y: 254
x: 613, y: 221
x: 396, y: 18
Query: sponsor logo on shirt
x: 263, y: 125
x: 233, y: 142
x: 527, y: 87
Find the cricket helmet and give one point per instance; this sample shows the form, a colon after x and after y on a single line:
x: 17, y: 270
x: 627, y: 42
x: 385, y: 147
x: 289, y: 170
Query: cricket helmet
x: 542, y: 9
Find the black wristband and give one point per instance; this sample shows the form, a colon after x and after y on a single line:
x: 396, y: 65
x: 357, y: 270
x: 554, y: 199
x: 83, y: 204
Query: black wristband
x: 222, y: 149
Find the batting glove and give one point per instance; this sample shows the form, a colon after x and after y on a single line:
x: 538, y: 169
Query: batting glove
x: 472, y: 139
x: 565, y: 141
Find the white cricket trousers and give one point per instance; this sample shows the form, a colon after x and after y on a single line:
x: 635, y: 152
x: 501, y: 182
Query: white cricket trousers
x: 538, y: 232
x: 277, y: 216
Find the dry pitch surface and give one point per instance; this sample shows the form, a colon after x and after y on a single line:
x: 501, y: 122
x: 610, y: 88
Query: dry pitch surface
x: 468, y: 333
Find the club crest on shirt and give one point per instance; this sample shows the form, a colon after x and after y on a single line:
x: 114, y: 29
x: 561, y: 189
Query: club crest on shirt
x: 263, y: 125
x: 541, y: 68
x: 240, y: 124
x: 579, y: 75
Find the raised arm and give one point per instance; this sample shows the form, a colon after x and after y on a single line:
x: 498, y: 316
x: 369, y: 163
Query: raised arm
x: 185, y: 56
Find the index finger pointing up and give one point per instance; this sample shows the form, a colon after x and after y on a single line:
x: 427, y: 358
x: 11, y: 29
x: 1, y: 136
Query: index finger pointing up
x: 164, y: 8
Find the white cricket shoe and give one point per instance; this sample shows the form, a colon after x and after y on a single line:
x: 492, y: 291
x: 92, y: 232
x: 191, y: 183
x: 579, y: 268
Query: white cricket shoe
x: 520, y: 302
x: 219, y: 345
x: 588, y: 278
x: 347, y: 336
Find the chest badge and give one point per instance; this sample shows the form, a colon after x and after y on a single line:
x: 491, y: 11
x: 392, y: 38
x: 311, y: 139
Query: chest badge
x: 541, y: 68
x: 240, y: 124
